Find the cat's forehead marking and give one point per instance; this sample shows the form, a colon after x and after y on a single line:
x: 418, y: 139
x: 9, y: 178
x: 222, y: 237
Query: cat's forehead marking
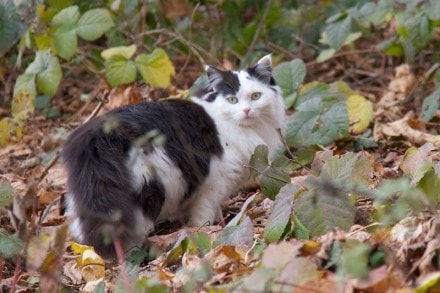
x: 230, y: 83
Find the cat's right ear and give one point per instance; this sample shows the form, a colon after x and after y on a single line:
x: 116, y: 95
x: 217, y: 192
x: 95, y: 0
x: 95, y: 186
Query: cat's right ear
x: 215, y: 75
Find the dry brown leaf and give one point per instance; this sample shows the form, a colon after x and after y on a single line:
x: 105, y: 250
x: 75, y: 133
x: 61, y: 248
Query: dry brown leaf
x: 402, y: 128
x: 379, y: 280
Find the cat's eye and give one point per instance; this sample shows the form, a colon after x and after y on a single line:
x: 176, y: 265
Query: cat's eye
x: 232, y: 99
x: 256, y: 96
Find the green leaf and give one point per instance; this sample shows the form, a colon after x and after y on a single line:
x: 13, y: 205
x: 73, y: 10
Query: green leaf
x: 325, y: 55
x: 354, y: 167
x: 317, y: 121
x: 48, y: 71
x: 25, y: 82
x: 433, y: 10
x: 281, y: 212
x: 65, y: 39
x: 430, y: 105
x: 430, y: 184
x: 337, y: 32
x: 354, y: 259
x: 66, y: 17
x: 125, y: 51
x: 272, y: 177
x: 155, y: 68
x: 290, y: 75
x: 416, y: 162
x: 119, y: 70
x: 6, y: 196
x: 25, y: 93
x: 394, y: 199
x: 10, y: 245
x: 11, y: 26
x: 326, y: 205
x: 242, y: 234
x: 94, y: 23
x: 300, y: 231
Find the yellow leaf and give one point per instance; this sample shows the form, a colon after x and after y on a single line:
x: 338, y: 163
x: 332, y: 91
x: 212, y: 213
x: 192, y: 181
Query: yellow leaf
x: 93, y: 267
x: 360, y: 113
x: 155, y: 68
x: 79, y: 248
x: 9, y: 127
x: 125, y: 51
x: 22, y: 105
x: 308, y: 86
x: 91, y: 264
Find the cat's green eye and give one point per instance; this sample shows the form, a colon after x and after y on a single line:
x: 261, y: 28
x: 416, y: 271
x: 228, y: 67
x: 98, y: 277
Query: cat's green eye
x: 232, y: 99
x: 256, y: 96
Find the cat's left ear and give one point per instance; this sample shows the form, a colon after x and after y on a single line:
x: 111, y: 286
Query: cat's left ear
x: 266, y: 61
x: 262, y: 70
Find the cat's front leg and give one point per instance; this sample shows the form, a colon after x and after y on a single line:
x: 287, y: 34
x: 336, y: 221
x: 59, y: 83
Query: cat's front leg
x: 205, y: 210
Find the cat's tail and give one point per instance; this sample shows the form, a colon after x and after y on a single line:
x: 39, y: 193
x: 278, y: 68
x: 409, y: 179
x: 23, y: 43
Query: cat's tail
x: 100, y: 199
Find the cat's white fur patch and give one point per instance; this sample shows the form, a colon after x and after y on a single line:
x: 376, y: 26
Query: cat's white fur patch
x: 145, y: 167
x: 75, y: 227
x: 239, y: 134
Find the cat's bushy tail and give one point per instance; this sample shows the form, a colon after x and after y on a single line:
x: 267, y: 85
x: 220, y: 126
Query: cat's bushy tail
x: 100, y: 200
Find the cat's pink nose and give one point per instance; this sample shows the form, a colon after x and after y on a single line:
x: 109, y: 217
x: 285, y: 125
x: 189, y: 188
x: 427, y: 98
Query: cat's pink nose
x: 246, y: 111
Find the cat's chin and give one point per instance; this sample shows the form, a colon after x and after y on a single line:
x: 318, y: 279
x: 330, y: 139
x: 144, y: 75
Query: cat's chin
x: 247, y: 121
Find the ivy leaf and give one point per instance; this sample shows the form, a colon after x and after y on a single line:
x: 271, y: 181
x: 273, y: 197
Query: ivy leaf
x: 125, y: 51
x: 155, y: 68
x: 119, y: 70
x: 290, y: 75
x: 65, y: 39
x: 337, y: 32
x: 430, y: 105
x: 280, y: 216
x: 48, y: 71
x: 324, y: 206
x: 94, y: 23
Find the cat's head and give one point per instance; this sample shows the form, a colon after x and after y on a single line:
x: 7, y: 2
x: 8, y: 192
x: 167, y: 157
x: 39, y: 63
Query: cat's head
x: 246, y: 97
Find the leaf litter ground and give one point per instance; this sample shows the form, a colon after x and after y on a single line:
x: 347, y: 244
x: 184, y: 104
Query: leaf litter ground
x: 241, y: 260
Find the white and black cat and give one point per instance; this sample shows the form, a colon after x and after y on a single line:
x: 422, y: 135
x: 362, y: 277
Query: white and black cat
x: 120, y: 184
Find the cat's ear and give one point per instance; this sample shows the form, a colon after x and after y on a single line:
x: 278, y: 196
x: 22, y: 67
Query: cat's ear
x: 262, y: 70
x: 215, y: 75
x: 266, y: 60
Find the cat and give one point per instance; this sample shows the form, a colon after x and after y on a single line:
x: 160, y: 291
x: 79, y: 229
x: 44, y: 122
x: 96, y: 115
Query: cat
x: 121, y: 182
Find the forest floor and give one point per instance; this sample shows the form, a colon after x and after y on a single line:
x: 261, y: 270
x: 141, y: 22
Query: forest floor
x: 38, y: 181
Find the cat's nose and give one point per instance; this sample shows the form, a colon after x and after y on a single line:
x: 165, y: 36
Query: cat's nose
x: 246, y: 111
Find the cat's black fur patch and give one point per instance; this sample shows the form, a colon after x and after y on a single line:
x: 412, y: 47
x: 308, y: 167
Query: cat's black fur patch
x: 262, y: 73
x: 219, y: 81
x: 99, y: 179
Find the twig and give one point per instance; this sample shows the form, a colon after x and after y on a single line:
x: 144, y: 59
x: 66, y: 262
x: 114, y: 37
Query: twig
x: 270, y: 176
x: 346, y: 53
x: 102, y: 101
x: 260, y: 27
x: 292, y: 156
